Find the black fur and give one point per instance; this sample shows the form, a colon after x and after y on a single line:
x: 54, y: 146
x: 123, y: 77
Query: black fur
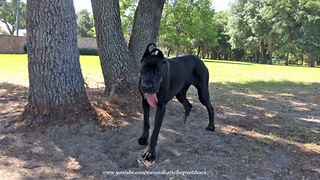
x: 168, y: 78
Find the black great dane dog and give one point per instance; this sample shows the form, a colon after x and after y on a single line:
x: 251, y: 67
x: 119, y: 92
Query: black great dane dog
x: 161, y: 79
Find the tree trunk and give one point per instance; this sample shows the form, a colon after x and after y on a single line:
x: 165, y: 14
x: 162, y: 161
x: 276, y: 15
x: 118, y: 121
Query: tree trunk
x: 226, y: 57
x: 213, y: 54
x: 312, y: 61
x: 116, y: 60
x: 56, y: 85
x: 145, y: 26
x: 119, y: 62
x: 178, y: 49
x: 198, y: 52
x: 263, y: 53
x: 287, y: 59
x: 203, y: 53
x: 169, y: 51
x: 271, y: 53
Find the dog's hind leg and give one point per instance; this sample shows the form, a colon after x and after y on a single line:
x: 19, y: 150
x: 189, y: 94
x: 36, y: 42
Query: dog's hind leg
x: 204, y: 98
x: 181, y: 96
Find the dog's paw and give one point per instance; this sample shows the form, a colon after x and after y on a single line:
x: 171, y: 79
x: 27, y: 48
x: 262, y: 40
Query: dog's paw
x: 210, y: 128
x: 149, y: 155
x: 143, y: 140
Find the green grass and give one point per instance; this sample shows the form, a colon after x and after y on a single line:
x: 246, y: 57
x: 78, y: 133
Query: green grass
x: 14, y: 69
x: 91, y: 70
x: 241, y: 72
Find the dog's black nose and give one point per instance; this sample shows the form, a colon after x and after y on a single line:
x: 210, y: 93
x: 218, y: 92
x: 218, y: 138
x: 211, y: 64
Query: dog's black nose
x: 147, y: 86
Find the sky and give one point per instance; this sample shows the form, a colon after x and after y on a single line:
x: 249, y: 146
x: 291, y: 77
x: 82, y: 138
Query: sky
x: 86, y: 4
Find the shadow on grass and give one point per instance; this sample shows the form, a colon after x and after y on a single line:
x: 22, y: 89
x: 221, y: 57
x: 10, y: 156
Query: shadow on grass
x: 277, y: 109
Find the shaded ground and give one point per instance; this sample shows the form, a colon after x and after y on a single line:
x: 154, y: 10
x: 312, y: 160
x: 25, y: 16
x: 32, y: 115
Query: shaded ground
x: 260, y: 134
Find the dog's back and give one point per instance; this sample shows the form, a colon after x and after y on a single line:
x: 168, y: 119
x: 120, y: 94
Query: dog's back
x: 188, y: 67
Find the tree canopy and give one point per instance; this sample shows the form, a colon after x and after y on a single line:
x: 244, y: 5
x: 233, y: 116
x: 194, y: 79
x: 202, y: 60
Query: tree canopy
x: 85, y: 24
x: 188, y: 24
x: 263, y: 31
x: 280, y: 26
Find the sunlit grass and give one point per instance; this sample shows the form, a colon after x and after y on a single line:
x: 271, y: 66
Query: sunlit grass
x: 91, y: 71
x: 240, y: 72
x: 14, y: 69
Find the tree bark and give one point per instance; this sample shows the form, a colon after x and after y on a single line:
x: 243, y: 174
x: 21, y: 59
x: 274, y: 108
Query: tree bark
x: 119, y: 62
x: 169, y: 51
x: 255, y: 55
x: 56, y: 85
x: 271, y: 52
x: 312, y: 61
x: 116, y: 60
x: 263, y: 53
x: 199, y: 50
x: 178, y: 49
x: 287, y: 59
x: 145, y: 26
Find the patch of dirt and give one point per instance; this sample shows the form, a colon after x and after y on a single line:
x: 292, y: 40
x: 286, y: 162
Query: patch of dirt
x: 263, y: 135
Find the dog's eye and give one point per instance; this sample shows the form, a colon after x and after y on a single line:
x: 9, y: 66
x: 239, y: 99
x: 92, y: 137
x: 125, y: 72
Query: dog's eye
x: 157, y: 70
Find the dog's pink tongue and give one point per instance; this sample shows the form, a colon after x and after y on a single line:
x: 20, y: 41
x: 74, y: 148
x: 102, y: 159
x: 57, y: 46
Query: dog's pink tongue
x: 152, y: 99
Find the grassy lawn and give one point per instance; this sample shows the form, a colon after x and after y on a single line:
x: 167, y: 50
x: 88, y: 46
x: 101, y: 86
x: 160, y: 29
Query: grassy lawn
x: 241, y: 72
x: 91, y: 71
x: 14, y: 69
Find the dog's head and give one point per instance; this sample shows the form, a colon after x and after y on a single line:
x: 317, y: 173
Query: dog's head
x: 152, y: 70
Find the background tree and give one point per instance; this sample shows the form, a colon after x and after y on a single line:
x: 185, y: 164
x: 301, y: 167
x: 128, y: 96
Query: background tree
x: 248, y: 26
x: 204, y: 27
x: 127, y: 9
x: 56, y: 89
x: 189, y: 25
x: 175, y: 21
x: 282, y: 28
x: 223, y: 48
x: 85, y: 24
x: 119, y: 61
x: 8, y: 13
x: 308, y: 39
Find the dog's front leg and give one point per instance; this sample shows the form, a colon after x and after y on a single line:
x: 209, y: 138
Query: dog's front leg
x: 150, y: 153
x: 143, y: 140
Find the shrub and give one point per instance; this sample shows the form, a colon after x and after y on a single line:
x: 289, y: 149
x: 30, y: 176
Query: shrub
x: 85, y: 51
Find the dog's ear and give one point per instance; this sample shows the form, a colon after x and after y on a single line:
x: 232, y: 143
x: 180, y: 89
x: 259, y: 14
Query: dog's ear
x: 148, y: 52
x: 159, y: 54
x: 151, y: 44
